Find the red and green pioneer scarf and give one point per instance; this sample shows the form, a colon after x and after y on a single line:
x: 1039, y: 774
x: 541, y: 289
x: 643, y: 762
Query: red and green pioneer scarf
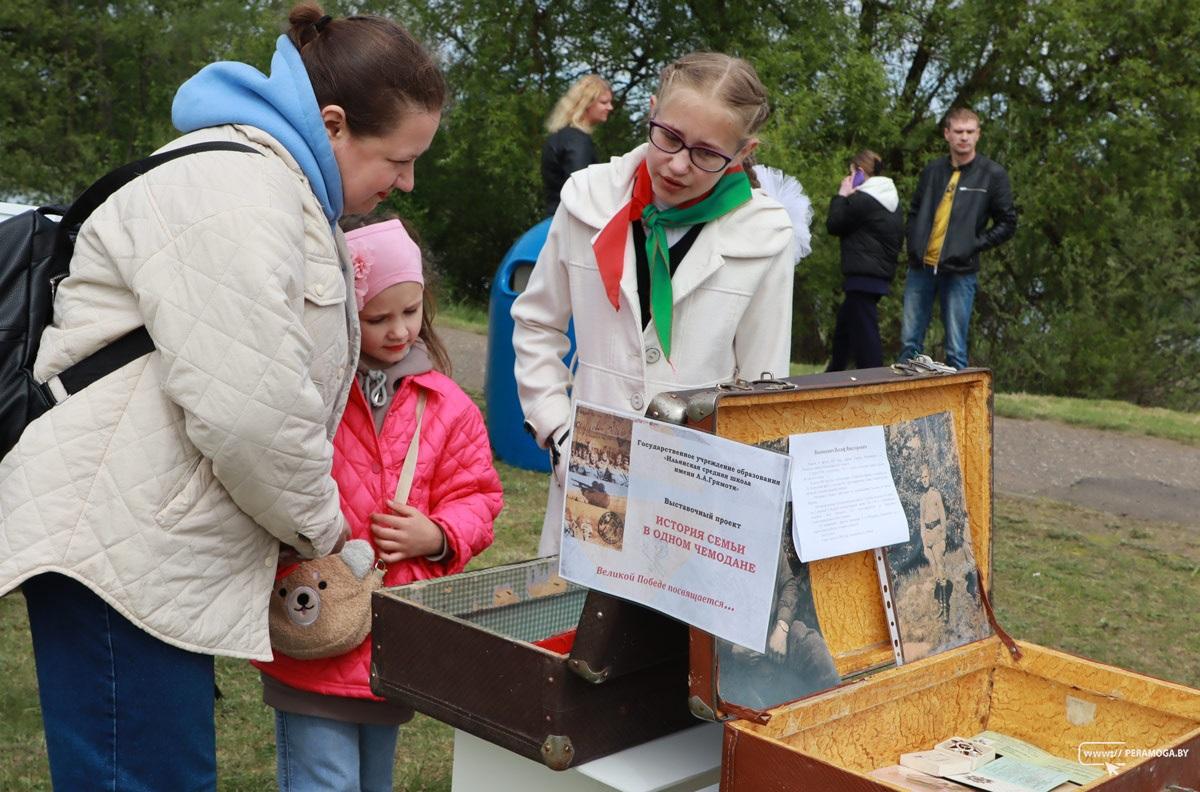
x: 730, y: 192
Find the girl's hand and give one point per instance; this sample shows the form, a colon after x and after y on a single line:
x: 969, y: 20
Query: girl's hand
x: 847, y: 186
x: 405, y: 533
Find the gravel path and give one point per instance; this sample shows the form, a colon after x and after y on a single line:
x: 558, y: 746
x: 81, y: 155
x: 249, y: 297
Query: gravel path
x: 1109, y: 471
x: 1119, y: 473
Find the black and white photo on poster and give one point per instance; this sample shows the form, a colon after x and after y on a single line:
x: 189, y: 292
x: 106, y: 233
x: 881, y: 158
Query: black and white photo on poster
x: 797, y: 661
x: 598, y: 478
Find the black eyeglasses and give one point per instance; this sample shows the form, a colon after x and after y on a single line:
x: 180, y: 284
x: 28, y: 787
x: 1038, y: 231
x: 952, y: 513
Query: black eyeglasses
x: 668, y: 141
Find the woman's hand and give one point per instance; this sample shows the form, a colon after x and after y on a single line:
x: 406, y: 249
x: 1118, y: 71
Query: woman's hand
x: 847, y: 186
x: 289, y: 555
x: 405, y: 533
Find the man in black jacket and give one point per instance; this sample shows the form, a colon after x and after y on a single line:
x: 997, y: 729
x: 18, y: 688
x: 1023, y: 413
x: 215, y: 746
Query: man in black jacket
x: 948, y: 228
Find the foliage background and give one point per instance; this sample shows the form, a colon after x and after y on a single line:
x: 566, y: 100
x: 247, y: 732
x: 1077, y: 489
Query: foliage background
x: 1092, y: 105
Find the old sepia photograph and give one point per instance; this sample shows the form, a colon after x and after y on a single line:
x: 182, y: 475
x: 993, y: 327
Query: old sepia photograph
x: 934, y: 577
x: 597, y: 479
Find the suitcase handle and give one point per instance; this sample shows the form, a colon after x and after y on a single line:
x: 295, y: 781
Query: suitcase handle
x: 765, y: 382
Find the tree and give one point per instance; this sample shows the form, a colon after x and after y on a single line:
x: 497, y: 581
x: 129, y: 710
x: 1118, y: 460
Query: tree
x: 88, y: 86
x: 1091, y: 105
x: 507, y: 63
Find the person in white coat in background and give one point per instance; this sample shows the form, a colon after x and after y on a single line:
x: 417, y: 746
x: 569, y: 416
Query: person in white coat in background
x: 676, y: 271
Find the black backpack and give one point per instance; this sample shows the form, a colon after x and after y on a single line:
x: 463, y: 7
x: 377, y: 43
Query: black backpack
x: 35, y: 254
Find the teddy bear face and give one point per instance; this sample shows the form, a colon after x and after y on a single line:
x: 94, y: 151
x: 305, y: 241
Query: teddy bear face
x: 323, y: 607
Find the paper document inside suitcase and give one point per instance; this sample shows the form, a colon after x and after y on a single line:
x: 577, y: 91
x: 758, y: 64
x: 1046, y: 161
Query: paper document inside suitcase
x: 1134, y: 733
x: 516, y: 655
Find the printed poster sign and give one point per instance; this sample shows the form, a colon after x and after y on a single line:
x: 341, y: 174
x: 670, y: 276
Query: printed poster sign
x: 678, y: 520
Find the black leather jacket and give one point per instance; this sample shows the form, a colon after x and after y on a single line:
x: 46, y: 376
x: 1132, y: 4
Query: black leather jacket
x: 983, y: 194
x: 566, y: 151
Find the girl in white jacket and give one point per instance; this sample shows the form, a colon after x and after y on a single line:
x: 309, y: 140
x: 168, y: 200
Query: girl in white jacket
x: 676, y: 271
x: 143, y: 516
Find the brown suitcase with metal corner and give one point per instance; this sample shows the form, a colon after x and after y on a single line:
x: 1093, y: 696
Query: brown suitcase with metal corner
x: 831, y: 740
x: 524, y: 659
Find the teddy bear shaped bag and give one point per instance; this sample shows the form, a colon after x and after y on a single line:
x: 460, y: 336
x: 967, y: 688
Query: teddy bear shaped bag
x: 322, y: 608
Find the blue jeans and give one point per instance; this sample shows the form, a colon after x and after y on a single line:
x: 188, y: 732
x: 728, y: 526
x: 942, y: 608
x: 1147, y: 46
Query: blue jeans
x: 314, y: 754
x: 122, y: 710
x: 956, y: 295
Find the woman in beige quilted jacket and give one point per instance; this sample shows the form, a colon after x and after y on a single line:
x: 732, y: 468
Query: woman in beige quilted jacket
x: 143, y: 516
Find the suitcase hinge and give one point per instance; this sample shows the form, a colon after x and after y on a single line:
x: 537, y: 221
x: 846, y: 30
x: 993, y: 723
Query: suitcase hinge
x: 670, y: 408
x: 701, y: 710
x: 585, y: 671
x: 557, y: 752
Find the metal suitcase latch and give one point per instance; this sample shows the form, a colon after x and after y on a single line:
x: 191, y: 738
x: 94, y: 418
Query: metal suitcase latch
x: 765, y: 382
x: 922, y: 364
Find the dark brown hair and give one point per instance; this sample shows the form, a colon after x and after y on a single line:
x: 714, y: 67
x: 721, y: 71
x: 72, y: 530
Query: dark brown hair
x: 433, y: 343
x: 868, y: 162
x: 370, y: 66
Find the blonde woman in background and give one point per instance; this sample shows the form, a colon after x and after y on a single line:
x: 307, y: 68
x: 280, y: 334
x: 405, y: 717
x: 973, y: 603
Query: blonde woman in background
x: 569, y: 148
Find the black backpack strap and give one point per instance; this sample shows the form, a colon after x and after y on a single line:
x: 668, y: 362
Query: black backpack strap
x: 136, y: 343
x: 106, y: 360
x: 114, y: 180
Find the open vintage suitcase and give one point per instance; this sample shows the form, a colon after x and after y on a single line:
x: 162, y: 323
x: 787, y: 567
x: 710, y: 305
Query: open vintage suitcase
x: 524, y: 659
x: 829, y: 741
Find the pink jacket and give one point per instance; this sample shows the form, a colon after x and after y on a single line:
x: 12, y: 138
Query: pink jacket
x: 455, y: 485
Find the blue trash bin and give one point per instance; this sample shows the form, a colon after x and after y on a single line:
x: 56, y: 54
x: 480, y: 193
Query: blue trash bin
x: 505, y: 419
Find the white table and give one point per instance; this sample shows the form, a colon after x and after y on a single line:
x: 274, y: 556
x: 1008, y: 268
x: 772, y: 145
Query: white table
x: 687, y: 761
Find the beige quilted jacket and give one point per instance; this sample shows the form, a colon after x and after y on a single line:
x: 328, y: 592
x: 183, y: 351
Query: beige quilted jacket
x: 167, y: 486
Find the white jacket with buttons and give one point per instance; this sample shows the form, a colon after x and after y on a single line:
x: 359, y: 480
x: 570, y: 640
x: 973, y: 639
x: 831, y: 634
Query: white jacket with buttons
x: 732, y: 312
x: 167, y: 486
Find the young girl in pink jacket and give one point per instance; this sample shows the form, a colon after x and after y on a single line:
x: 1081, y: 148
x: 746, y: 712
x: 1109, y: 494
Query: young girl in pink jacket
x: 331, y: 731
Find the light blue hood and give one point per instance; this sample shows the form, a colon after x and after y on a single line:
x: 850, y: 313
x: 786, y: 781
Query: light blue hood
x: 282, y: 105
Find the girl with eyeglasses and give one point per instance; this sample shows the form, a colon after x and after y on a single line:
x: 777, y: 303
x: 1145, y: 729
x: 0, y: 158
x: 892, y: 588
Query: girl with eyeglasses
x: 676, y: 271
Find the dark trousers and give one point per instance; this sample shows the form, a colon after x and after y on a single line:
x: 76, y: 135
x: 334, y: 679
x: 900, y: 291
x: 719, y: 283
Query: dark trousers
x: 856, y: 334
x: 122, y: 710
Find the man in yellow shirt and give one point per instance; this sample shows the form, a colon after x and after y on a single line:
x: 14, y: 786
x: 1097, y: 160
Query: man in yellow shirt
x: 948, y: 227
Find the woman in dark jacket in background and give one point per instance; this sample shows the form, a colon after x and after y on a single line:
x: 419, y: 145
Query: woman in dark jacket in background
x: 569, y: 148
x: 865, y: 214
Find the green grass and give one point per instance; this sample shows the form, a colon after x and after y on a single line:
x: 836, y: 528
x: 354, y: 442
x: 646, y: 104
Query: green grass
x: 464, y: 316
x: 801, y: 369
x: 1103, y: 414
x: 1114, y: 589
x: 1117, y: 590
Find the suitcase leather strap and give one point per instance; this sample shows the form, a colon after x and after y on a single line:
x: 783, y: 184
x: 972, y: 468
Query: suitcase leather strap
x: 1004, y: 637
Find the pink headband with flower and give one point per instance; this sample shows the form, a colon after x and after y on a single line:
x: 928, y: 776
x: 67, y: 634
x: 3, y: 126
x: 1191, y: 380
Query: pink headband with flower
x: 383, y: 255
